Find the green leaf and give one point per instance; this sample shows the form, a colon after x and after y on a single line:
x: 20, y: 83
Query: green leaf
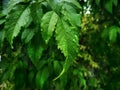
x: 111, y: 33
x: 83, y: 82
x: 35, y: 49
x: 74, y: 2
x: 93, y: 82
x: 4, y: 5
x: 109, y: 6
x: 20, y: 79
x: 12, y: 69
x: 36, y: 12
x: 31, y: 77
x: 75, y: 19
x: 11, y: 5
x: 28, y: 34
x: 67, y: 40
x: 9, y: 74
x: 2, y: 36
x: 70, y: 13
x: 57, y: 67
x: 53, y: 4
x: 68, y: 8
x: 41, y: 77
x: 18, y: 17
x: 48, y: 23
x: 115, y: 2
x: 105, y: 34
x: 2, y: 15
x: 118, y: 30
x: 2, y: 21
x: 97, y: 2
x: 113, y: 30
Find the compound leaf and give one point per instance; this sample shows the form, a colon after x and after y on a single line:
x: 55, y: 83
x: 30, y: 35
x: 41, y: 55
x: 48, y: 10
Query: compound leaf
x: 67, y: 40
x: 18, y: 17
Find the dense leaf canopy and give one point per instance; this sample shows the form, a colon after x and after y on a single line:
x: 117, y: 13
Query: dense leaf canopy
x: 59, y: 45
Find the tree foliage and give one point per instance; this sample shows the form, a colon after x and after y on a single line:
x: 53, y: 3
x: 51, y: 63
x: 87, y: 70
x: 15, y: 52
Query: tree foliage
x: 58, y: 45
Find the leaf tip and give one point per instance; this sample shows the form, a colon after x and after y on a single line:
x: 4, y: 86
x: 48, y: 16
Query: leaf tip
x: 59, y: 75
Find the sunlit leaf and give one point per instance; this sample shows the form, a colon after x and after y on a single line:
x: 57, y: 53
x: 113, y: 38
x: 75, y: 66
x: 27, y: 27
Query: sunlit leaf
x: 48, y: 23
x: 67, y: 40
